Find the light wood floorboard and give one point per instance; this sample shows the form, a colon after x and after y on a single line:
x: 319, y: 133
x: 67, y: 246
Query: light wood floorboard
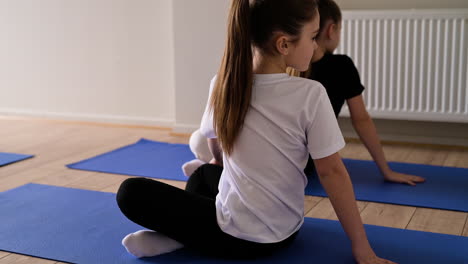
x: 465, y: 232
x: 21, y: 259
x: 438, y: 221
x: 324, y: 210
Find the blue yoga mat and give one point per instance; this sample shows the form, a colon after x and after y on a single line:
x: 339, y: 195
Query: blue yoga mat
x: 81, y: 226
x: 8, y: 158
x: 446, y: 187
x: 145, y: 158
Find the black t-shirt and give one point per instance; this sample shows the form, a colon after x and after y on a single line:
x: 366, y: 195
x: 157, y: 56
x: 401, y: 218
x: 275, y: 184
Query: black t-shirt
x: 340, y: 78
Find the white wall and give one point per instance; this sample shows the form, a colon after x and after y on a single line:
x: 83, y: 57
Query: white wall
x: 103, y: 60
x: 401, y: 4
x: 123, y: 61
x: 199, y: 38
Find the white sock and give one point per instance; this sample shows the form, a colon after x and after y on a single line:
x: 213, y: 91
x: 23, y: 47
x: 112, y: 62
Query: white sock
x: 145, y: 243
x: 189, y: 167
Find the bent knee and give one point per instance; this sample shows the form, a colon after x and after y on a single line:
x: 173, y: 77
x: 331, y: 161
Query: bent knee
x: 129, y: 191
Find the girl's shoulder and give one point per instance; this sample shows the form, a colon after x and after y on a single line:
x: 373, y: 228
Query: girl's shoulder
x: 305, y: 83
x: 306, y: 86
x: 341, y: 59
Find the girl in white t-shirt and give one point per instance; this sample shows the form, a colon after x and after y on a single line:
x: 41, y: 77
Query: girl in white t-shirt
x: 261, y: 125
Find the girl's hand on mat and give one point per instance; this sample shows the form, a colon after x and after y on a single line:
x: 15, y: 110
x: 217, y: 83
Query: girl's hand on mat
x: 374, y: 260
x: 393, y: 176
x: 365, y: 255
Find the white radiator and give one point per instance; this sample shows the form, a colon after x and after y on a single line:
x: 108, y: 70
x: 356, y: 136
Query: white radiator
x: 413, y: 63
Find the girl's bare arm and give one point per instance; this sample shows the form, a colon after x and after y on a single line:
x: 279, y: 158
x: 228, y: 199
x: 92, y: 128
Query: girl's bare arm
x: 336, y: 182
x: 215, y: 151
x: 367, y: 132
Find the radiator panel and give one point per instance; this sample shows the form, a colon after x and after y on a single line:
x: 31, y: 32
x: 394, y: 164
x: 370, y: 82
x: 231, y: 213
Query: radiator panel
x: 414, y: 64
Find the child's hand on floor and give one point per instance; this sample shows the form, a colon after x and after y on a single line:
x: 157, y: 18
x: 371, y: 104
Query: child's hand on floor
x: 397, y: 177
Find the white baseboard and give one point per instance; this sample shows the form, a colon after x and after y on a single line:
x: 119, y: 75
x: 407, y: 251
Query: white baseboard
x: 434, y: 133
x: 184, y: 128
x: 112, y: 119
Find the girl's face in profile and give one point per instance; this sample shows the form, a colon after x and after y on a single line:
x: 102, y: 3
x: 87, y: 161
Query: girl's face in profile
x: 303, y: 50
x: 328, y: 40
x: 335, y: 37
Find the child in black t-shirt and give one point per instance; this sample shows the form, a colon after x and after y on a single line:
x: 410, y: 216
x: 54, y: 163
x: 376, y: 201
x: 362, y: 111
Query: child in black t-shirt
x: 341, y: 80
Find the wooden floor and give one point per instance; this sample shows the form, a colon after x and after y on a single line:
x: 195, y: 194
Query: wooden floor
x: 55, y: 144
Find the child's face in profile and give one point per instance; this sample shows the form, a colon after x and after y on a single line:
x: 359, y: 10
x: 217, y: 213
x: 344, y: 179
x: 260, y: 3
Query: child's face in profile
x: 334, y: 38
x: 328, y: 40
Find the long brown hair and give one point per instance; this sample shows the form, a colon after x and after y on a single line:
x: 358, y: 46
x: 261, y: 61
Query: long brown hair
x: 250, y: 24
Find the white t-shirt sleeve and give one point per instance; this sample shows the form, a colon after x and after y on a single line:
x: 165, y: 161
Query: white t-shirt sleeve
x: 324, y: 136
x: 206, y: 126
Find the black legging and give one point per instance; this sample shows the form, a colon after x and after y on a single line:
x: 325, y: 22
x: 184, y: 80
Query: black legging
x: 310, y: 167
x: 187, y: 216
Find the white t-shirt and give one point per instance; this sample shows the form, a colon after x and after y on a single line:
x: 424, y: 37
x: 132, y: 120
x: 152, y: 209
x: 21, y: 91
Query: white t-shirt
x: 261, y: 191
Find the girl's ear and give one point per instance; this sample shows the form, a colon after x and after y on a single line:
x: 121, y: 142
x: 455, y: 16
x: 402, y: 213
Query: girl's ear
x: 332, y: 30
x: 282, y: 45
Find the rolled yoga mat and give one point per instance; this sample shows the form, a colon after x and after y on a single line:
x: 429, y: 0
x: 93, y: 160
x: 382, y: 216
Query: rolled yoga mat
x: 87, y: 227
x: 445, y: 187
x: 8, y: 158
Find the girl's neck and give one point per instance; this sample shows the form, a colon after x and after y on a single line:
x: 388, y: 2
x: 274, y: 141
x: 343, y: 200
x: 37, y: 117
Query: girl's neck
x: 268, y: 64
x: 319, y: 52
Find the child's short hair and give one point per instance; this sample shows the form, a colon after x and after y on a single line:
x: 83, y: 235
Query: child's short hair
x: 328, y: 10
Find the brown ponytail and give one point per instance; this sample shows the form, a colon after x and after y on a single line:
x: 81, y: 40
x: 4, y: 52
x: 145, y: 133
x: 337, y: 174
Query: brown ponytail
x: 250, y: 24
x: 233, y: 88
